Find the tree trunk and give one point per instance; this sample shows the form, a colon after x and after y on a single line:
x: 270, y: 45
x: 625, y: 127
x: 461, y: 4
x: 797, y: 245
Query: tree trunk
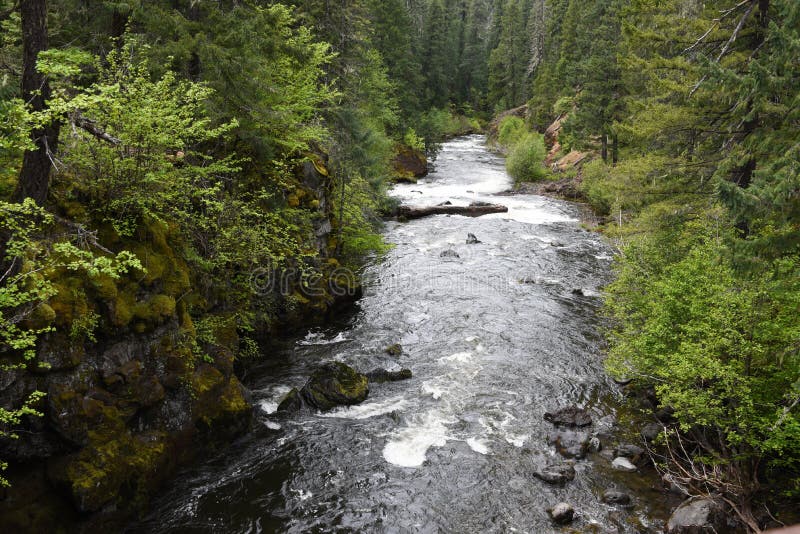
x: 614, y: 150
x: 34, y: 178
x: 604, y: 149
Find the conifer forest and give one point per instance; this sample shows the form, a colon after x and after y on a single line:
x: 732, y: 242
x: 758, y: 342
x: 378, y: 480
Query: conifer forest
x: 400, y: 266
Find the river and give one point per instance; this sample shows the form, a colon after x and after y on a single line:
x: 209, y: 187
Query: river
x: 495, y: 338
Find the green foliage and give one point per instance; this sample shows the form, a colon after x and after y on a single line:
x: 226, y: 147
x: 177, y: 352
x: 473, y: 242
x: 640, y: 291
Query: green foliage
x: 525, y: 160
x: 153, y: 169
x: 511, y: 130
x: 411, y: 139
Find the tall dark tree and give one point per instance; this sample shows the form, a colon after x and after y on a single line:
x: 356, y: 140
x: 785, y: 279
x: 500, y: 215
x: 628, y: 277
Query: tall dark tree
x: 34, y: 177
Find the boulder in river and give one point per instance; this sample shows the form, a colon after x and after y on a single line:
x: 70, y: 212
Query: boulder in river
x: 334, y: 384
x: 562, y: 513
x: 383, y: 375
x: 570, y: 416
x: 472, y: 240
x: 616, y: 497
x: 291, y: 402
x: 632, y: 452
x: 697, y: 516
x: 570, y: 444
x: 623, y: 464
x: 449, y: 253
x: 556, y: 473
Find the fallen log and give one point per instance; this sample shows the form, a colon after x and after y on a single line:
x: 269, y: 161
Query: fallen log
x: 476, y: 209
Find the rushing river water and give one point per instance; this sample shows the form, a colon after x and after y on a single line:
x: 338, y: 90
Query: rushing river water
x: 495, y: 338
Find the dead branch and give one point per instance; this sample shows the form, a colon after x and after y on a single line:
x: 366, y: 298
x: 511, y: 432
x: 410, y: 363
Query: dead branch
x: 91, y: 126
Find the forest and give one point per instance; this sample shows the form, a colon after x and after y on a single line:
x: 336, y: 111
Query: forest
x: 159, y: 159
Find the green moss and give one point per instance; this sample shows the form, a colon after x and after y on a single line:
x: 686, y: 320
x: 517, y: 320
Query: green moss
x: 206, y: 378
x: 123, y: 309
x: 69, y: 301
x: 43, y: 315
x: 104, y: 286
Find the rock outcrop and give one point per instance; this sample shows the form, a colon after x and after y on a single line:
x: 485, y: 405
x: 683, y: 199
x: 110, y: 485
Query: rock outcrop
x: 409, y: 164
x: 697, y: 516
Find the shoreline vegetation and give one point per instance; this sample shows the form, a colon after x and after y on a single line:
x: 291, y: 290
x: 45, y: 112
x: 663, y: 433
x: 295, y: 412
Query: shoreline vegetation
x: 163, y: 164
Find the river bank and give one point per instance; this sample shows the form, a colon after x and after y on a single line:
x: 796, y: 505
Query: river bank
x: 496, y: 334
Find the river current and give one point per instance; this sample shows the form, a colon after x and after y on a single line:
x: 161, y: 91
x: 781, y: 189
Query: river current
x: 494, y: 337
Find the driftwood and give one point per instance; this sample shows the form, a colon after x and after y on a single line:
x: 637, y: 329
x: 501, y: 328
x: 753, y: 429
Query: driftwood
x: 476, y: 209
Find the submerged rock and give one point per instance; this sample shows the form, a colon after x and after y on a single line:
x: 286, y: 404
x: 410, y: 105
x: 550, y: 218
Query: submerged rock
x: 394, y: 350
x: 556, y: 474
x: 383, y: 375
x: 697, y: 516
x: 623, y: 464
x: 616, y: 497
x: 449, y: 253
x: 562, y: 513
x: 569, y: 416
x: 570, y: 444
x: 334, y: 384
x: 472, y: 240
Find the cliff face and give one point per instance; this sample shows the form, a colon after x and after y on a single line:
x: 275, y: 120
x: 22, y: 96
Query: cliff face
x: 139, y: 378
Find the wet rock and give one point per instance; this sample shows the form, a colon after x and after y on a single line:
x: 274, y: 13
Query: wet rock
x: 651, y: 431
x: 556, y: 474
x: 608, y: 454
x: 562, y: 513
x: 570, y: 444
x: 616, y: 497
x: 633, y: 452
x: 697, y: 516
x: 449, y: 253
x: 595, y: 445
x: 623, y: 381
x: 409, y: 164
x: 570, y: 416
x: 383, y: 375
x: 394, y: 350
x: 292, y: 402
x: 445, y: 203
x: 334, y: 384
x: 472, y: 240
x: 578, y: 292
x: 623, y: 464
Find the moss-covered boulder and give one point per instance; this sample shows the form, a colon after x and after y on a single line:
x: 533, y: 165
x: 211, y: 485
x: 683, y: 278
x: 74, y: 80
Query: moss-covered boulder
x: 409, y: 164
x: 335, y: 384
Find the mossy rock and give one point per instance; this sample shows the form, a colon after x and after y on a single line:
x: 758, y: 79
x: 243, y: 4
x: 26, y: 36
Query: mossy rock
x: 115, y: 467
x: 291, y: 402
x: 105, y: 287
x: 334, y: 384
x: 41, y: 317
x: 394, y: 350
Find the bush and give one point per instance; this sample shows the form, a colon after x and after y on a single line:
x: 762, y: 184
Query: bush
x: 510, y: 131
x: 525, y: 161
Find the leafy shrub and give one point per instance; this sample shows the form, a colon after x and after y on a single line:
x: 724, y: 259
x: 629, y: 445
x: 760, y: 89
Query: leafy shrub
x: 510, y: 131
x: 525, y: 161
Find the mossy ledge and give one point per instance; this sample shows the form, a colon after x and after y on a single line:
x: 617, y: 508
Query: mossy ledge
x: 139, y: 377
